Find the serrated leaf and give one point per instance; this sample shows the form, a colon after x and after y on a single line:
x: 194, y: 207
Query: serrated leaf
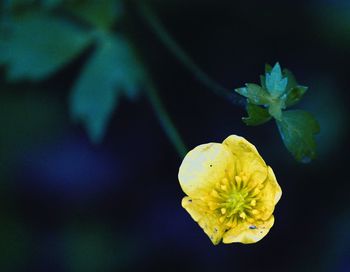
x: 275, y: 83
x: 298, y: 129
x: 39, y: 45
x: 112, y: 70
x: 99, y: 13
x: 256, y: 115
x: 254, y: 93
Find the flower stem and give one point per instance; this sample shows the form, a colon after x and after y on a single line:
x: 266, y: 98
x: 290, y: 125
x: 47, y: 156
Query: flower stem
x: 173, y: 47
x: 165, y: 120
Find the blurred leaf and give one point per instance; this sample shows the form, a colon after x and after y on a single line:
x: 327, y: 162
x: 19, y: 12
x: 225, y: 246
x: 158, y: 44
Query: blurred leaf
x: 254, y: 93
x: 112, y: 70
x: 39, y: 45
x: 99, y: 13
x: 298, y: 129
x: 256, y: 115
x: 16, y: 3
x: 51, y: 3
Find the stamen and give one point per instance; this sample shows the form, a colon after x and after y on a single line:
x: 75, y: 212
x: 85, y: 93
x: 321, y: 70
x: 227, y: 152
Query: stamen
x: 224, y: 188
x: 243, y: 215
x: 214, y: 193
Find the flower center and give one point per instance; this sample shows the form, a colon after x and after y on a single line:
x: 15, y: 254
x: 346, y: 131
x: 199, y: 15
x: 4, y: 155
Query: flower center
x: 235, y: 200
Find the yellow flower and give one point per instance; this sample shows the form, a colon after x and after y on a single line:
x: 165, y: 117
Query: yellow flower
x: 231, y: 192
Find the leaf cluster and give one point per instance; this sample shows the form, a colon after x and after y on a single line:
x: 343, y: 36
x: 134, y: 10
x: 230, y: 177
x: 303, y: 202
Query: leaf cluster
x: 279, y: 90
x: 39, y: 39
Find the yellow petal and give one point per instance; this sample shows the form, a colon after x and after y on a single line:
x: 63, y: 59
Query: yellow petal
x: 247, y: 233
x: 206, y: 219
x: 205, y: 166
x: 248, y: 159
x: 274, y: 184
x: 269, y: 195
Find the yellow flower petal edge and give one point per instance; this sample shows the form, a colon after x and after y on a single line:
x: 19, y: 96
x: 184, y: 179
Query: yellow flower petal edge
x: 231, y: 192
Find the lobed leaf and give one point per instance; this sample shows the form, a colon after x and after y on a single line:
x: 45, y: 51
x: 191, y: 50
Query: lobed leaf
x: 298, y: 129
x: 39, y: 45
x: 112, y: 70
x: 256, y: 115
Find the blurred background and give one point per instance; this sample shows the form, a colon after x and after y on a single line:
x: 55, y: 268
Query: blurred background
x: 83, y: 192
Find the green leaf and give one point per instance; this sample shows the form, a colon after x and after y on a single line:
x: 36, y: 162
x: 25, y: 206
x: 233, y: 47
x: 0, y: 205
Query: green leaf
x: 39, y: 45
x: 111, y: 71
x: 254, y: 93
x: 50, y: 4
x: 298, y: 129
x: 275, y: 83
x: 256, y: 115
x: 99, y: 13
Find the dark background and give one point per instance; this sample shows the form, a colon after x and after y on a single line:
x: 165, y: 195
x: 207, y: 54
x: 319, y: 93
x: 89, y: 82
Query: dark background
x: 69, y: 205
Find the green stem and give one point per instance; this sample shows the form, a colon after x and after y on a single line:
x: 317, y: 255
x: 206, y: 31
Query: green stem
x: 171, y: 44
x: 165, y: 120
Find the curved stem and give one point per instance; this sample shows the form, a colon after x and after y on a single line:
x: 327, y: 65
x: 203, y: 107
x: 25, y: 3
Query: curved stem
x: 171, y: 44
x: 165, y: 120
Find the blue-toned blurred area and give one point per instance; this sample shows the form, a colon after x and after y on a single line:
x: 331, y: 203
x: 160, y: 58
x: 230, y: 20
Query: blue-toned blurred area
x: 73, y: 199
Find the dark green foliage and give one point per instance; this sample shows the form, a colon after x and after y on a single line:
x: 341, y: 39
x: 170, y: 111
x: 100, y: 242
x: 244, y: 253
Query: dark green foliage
x: 298, y: 129
x: 39, y: 45
x: 36, y: 42
x: 256, y: 115
x: 110, y: 71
